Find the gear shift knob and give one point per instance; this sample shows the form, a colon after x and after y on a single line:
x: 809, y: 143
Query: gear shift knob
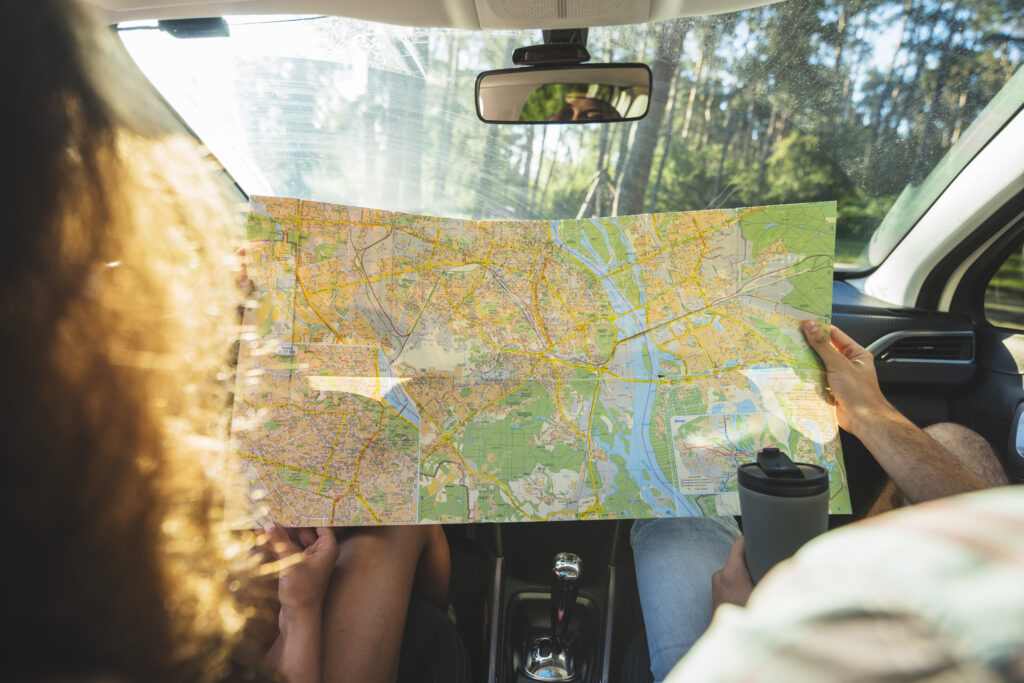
x: 565, y: 588
x: 550, y: 657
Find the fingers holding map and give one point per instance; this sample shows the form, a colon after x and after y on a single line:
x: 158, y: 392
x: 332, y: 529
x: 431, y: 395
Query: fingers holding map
x: 400, y: 369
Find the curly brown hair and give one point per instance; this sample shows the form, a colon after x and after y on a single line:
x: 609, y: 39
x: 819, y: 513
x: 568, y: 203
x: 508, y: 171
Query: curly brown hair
x: 118, y: 312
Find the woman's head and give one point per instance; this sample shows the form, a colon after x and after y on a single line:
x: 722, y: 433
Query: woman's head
x: 118, y: 314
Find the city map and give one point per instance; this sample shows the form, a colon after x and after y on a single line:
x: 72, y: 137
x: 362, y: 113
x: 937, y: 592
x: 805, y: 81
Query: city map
x: 402, y: 369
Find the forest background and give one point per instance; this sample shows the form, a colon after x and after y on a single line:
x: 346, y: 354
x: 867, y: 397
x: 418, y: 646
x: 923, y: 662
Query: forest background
x: 803, y: 100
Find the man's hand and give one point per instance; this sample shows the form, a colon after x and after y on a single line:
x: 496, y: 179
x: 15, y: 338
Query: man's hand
x: 731, y: 584
x: 918, y: 465
x: 306, y: 570
x: 850, y: 373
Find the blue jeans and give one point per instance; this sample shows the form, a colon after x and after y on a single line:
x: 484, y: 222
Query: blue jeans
x: 675, y: 558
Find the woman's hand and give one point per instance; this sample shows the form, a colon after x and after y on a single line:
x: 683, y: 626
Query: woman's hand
x: 306, y: 566
x: 305, y: 570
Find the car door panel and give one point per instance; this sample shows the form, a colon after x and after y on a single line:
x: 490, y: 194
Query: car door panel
x: 992, y: 401
x: 924, y: 361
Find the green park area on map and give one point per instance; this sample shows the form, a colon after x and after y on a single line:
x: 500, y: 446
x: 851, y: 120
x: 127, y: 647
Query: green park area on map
x: 401, y: 369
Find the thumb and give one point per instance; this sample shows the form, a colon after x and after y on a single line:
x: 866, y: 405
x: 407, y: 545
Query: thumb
x: 326, y: 542
x: 737, y: 553
x: 280, y: 544
x: 817, y: 337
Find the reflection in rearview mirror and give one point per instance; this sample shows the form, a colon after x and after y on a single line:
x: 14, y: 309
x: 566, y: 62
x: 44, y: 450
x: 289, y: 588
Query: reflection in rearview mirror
x: 589, y: 93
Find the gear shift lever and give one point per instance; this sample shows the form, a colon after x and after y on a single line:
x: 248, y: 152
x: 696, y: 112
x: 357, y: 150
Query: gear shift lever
x: 549, y: 658
x: 565, y: 588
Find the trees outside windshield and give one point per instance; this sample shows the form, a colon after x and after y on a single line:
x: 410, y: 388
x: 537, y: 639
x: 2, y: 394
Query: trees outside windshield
x: 805, y: 100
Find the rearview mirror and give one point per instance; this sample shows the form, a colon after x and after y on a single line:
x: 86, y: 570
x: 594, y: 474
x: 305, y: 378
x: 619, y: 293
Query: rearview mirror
x: 583, y: 93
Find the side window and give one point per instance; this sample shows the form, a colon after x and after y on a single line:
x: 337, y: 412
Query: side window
x: 1004, y: 295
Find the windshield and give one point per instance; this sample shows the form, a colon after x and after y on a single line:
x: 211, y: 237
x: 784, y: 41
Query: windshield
x: 799, y: 101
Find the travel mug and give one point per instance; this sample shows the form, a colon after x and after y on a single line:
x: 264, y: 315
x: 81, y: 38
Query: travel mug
x: 783, y: 505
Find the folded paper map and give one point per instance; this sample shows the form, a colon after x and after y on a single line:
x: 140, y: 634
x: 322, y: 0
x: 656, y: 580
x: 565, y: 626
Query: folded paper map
x: 401, y: 369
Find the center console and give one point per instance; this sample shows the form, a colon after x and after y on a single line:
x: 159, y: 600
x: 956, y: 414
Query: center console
x: 551, y: 603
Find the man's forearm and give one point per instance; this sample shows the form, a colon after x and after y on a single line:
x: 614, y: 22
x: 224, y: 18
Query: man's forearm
x: 920, y: 466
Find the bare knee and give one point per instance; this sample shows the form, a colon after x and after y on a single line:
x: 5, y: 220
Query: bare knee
x: 970, y: 449
x: 366, y: 546
x: 953, y: 434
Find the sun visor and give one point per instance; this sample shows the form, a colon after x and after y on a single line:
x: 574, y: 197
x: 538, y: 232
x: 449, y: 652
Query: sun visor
x: 464, y: 14
x: 551, y: 14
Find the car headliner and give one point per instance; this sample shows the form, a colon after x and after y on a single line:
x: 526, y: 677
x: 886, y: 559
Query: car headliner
x: 464, y: 14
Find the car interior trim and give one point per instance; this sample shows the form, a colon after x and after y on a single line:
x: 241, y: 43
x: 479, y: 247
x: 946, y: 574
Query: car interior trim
x: 952, y: 283
x: 609, y: 623
x: 988, y: 182
x: 461, y: 14
x: 494, y: 615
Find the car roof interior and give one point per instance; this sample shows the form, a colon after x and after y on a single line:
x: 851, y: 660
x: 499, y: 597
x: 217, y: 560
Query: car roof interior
x: 461, y: 14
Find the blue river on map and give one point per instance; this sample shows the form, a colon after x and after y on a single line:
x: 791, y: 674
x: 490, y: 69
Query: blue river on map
x: 637, y: 451
x: 396, y: 396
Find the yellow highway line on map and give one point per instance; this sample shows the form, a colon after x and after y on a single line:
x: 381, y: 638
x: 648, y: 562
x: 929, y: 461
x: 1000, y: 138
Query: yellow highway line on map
x: 654, y: 222
x: 502, y: 321
x: 470, y: 470
x: 601, y: 371
x: 483, y: 332
x: 494, y: 402
x: 437, y: 236
x: 558, y: 401
x: 503, y: 485
x: 334, y: 445
x: 359, y: 458
x: 525, y: 273
x: 782, y: 274
x: 446, y: 438
x: 483, y: 275
x: 711, y: 363
x: 607, y: 301
x: 419, y: 315
x: 293, y: 405
x: 765, y: 341
x: 397, y: 414
x: 385, y: 276
x: 309, y: 303
x: 558, y: 296
x: 590, y: 443
x: 699, y: 234
x: 264, y: 476
x: 569, y: 336
x: 250, y: 456
x: 421, y: 406
x: 650, y: 299
x: 359, y: 497
x: 536, y: 309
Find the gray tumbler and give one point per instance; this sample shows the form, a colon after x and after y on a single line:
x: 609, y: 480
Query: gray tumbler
x: 783, y: 505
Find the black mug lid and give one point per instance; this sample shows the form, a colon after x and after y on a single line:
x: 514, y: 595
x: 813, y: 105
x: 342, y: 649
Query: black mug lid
x: 774, y: 474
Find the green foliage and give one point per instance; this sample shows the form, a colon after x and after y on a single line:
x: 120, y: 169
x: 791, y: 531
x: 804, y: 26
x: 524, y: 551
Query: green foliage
x: 806, y: 100
x: 799, y: 171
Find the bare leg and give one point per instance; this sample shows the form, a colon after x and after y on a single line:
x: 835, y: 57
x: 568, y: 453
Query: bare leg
x: 890, y: 498
x: 366, y: 603
x: 970, y: 449
x: 434, y: 571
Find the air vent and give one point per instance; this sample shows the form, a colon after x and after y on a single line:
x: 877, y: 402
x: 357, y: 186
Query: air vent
x: 925, y: 347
